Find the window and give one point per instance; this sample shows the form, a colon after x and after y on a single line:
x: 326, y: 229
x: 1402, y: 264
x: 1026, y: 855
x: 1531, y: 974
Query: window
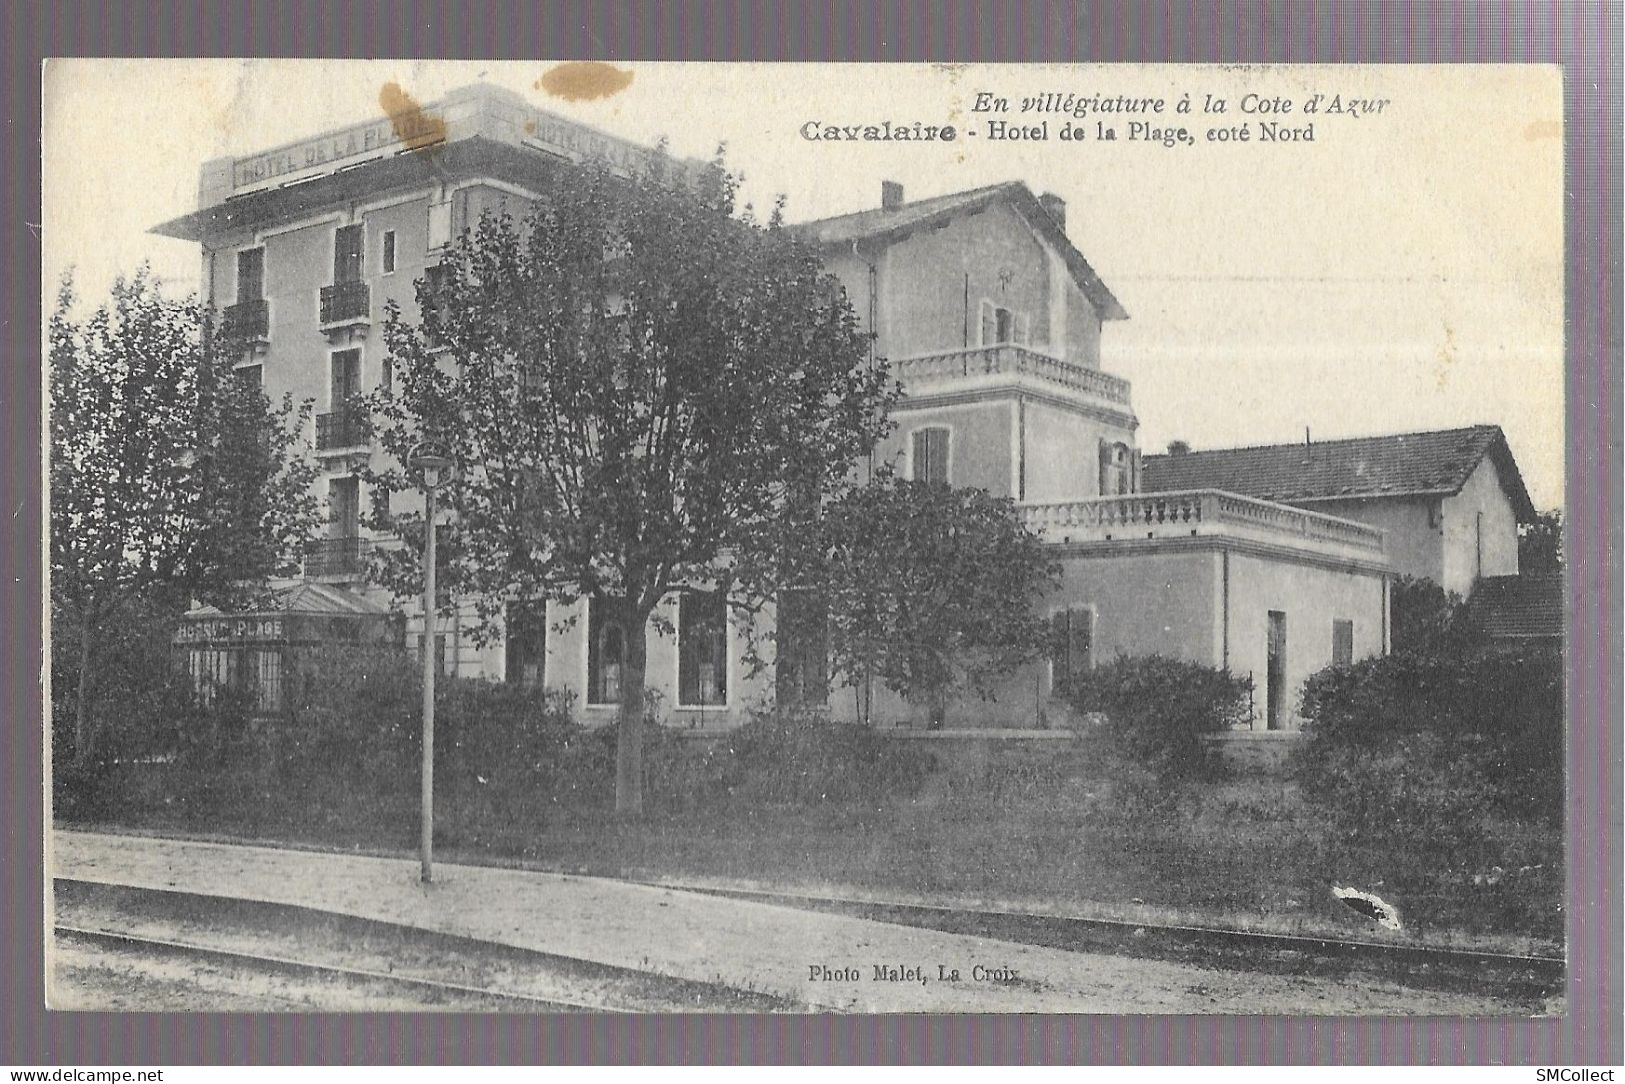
x: 347, y: 254
x: 702, y: 649
x: 436, y: 309
x: 250, y: 275
x: 1072, y: 646
x: 345, y: 379
x: 1342, y: 642
x: 386, y: 376
x: 344, y: 507
x: 526, y: 643
x: 445, y: 658
x: 929, y: 456
x: 389, y: 252
x: 1116, y: 469
x: 1002, y: 325
x: 250, y: 376
x: 606, y: 652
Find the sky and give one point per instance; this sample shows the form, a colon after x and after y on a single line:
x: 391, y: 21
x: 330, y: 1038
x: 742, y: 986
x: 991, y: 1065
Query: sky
x: 1401, y: 271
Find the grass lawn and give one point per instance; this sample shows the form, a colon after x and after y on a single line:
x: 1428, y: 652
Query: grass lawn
x: 1016, y: 826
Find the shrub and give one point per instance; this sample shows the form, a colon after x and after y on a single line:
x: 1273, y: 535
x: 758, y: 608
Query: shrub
x: 1155, y: 711
x: 801, y: 757
x: 1426, y: 617
x: 1428, y: 739
x: 355, y: 715
x: 508, y: 736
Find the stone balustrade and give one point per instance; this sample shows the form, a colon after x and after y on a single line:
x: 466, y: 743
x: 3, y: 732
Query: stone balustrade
x: 1197, y: 512
x: 1008, y: 358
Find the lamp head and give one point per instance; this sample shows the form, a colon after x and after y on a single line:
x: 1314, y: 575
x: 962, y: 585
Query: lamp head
x: 431, y: 467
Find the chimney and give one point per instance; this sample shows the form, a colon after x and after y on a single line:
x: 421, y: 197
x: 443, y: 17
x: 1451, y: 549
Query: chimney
x: 1056, y: 206
x: 891, y: 195
x: 1179, y: 447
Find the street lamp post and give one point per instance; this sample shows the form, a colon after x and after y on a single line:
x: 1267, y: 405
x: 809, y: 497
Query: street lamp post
x: 433, y: 468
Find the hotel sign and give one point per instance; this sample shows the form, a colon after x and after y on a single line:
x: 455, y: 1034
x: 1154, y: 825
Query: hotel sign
x: 559, y: 136
x: 497, y: 118
x: 327, y: 152
x: 213, y: 630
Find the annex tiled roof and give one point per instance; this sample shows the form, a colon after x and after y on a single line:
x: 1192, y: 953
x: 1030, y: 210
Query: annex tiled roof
x: 308, y: 598
x: 884, y: 226
x: 1518, y: 607
x: 1405, y: 464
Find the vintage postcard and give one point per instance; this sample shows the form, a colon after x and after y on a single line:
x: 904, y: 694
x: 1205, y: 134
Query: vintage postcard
x: 805, y: 538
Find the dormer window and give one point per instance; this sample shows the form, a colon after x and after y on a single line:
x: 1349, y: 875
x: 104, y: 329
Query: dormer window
x: 1002, y: 325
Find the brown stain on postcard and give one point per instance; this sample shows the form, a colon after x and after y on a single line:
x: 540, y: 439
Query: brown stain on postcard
x: 584, y: 80
x: 1543, y: 129
x: 415, y: 128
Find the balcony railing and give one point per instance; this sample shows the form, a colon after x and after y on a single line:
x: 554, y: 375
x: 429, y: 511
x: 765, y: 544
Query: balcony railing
x: 346, y: 303
x: 337, y: 556
x: 343, y: 428
x: 1199, y: 512
x: 1007, y: 358
x: 247, y: 321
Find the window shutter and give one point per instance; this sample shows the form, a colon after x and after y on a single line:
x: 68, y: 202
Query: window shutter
x: 1342, y: 642
x: 931, y: 456
x: 1020, y: 334
x: 1105, y: 454
x: 250, y: 275
x: 347, y: 254
x: 990, y: 325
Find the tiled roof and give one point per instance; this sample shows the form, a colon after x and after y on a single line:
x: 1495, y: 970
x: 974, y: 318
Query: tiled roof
x: 887, y: 226
x: 1518, y: 606
x: 308, y: 598
x: 1405, y: 464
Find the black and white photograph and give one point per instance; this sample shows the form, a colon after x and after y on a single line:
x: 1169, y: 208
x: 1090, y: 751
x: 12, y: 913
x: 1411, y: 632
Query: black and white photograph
x: 805, y: 538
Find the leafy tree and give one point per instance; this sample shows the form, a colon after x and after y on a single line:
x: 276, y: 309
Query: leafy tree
x: 931, y: 588
x: 1540, y: 544
x: 634, y: 383
x: 1426, y: 617
x: 170, y: 478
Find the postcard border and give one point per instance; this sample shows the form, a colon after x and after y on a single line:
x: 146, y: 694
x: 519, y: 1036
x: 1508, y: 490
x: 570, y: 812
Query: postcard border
x: 1583, y: 38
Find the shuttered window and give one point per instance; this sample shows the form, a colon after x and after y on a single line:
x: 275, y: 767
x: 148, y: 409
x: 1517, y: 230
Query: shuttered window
x: 250, y: 275
x: 1342, y: 642
x: 347, y: 254
x: 930, y: 456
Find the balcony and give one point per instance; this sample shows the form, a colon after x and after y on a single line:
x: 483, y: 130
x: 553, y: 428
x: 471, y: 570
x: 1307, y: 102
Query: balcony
x: 344, y: 429
x: 1006, y: 360
x: 346, y: 305
x: 337, y: 557
x: 1203, y: 513
x: 247, y: 322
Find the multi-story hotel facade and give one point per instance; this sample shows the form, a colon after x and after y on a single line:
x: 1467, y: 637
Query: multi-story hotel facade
x: 988, y: 314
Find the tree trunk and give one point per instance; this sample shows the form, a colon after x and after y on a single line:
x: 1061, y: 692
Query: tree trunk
x: 629, y: 732
x: 82, y: 721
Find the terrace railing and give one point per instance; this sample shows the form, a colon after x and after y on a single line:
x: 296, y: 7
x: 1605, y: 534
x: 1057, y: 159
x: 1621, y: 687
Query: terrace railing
x: 1195, y: 512
x: 337, y: 556
x: 1008, y: 358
